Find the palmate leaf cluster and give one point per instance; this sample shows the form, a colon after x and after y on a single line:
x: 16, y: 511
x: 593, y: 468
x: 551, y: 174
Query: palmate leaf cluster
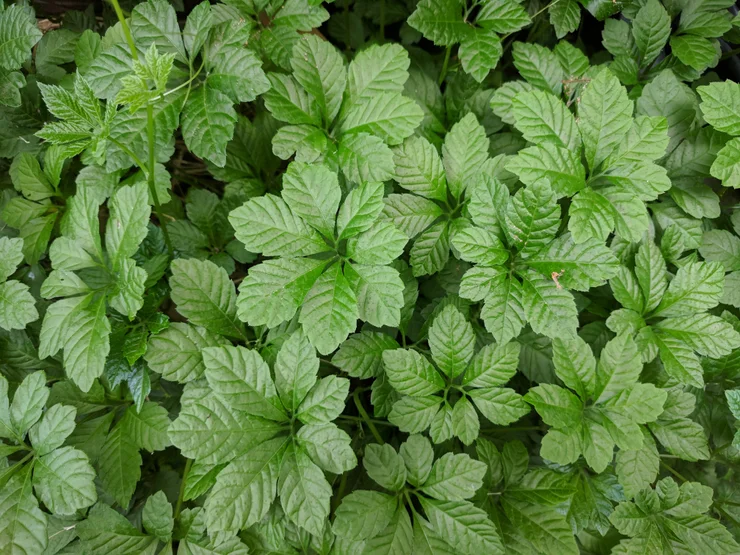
x: 383, y: 277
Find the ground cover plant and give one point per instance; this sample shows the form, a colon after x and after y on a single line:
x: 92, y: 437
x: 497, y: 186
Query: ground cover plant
x: 369, y: 276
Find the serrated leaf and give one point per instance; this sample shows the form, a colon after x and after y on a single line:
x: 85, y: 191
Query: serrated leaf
x: 208, y: 120
x: 304, y: 492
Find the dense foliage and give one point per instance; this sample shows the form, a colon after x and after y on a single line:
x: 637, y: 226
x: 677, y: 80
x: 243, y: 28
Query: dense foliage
x: 370, y: 276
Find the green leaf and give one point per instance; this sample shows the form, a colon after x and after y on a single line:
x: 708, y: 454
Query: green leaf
x: 410, y: 373
x: 431, y: 250
x: 381, y: 244
x: 464, y: 525
x: 64, y: 481
x: 390, y: 116
x: 273, y: 290
x: 651, y: 273
x: 706, y: 334
x: 312, y: 193
x: 28, y: 402
x: 29, y: 179
x: 454, y: 477
x: 440, y: 21
x: 417, y: 455
x: 157, y: 516
x: 578, y: 266
x: 379, y: 291
x: 679, y: 360
x: 638, y: 468
x: 479, y: 53
x: 208, y: 120
x: 503, y: 311
x: 86, y: 344
x: 127, y: 225
x: 296, y: 369
x: 105, y: 528
x: 592, y: 215
x: 22, y: 524
x: 720, y: 106
x: 364, y: 157
x: 557, y: 166
x: 245, y: 489
x: 147, y: 427
x: 539, y: 66
x: 414, y: 414
x: 385, y: 466
x: 195, y: 33
x: 17, y: 306
x: 360, y: 210
x: 18, y: 34
x: 289, y: 102
x: 619, y: 367
x: 410, y: 213
x: 328, y: 446
x: 319, y: 69
x: 208, y: 430
x: 479, y: 246
x: 304, y: 492
x: 549, y: 310
x: 176, y: 353
x: 493, y: 365
x: 651, y: 28
x: 205, y: 295
x: 364, y: 514
x: 557, y: 406
x: 565, y: 17
x: 451, y: 341
x: 361, y: 355
x: 696, y: 52
x: 532, y: 218
x: 325, y: 401
x: 396, y: 538
x: 696, y: 287
x: 155, y: 22
x: 329, y: 311
x: 502, y: 16
x: 237, y: 72
x: 419, y: 169
x: 542, y: 118
x: 575, y: 365
x: 726, y: 167
x: 604, y: 117
x: 53, y: 429
x: 465, y: 149
x: 119, y: 466
x: 242, y: 379
x: 544, y: 526
x: 377, y: 69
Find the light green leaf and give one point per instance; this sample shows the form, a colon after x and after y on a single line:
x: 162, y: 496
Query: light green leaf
x: 325, y: 401
x: 557, y: 166
x: 312, y: 193
x: 542, y: 118
x: 721, y: 106
x: 208, y: 120
x: 390, y: 116
x: 591, y: 215
x: 385, y: 466
x: 431, y: 250
x: 377, y: 69
x: 565, y: 17
x: 479, y: 53
x: 17, y: 306
x: 22, y: 524
x: 410, y: 373
x: 414, y: 414
x: 532, y: 218
x: 176, y: 353
x: 726, y: 167
x: 328, y: 446
x: 452, y: 341
x: 549, y: 310
x: 155, y: 22
x: 619, y: 367
x: 696, y: 287
x: 205, y: 295
x: 479, y: 246
x: 379, y: 292
x: 419, y: 168
x: 361, y: 355
x: 242, y: 379
x: 503, y: 311
x: 119, y: 466
x: 53, y: 429
x: 245, y: 489
x: 465, y: 526
x: 696, y: 52
x: 364, y: 157
x: 147, y: 427
x: 18, y: 34
x: 465, y: 149
x: 440, y: 21
x: 364, y: 514
x: 651, y: 28
x: 360, y: 210
x: 304, y: 492
x: 296, y: 369
x: 604, y: 117
x: 319, y: 69
x: 454, y: 477
x: 86, y: 344
x: 539, y: 66
x: 64, y: 481
x: 381, y: 244
x: 157, y: 516
x: 329, y: 312
x: 273, y: 290
x: 410, y: 213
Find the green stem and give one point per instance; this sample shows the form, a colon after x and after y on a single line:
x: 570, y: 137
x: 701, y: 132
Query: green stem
x: 360, y: 419
x: 730, y: 53
x: 443, y: 73
x: 366, y: 417
x: 180, y: 496
x: 340, y: 493
x: 672, y: 471
x: 150, y: 179
x: 126, y: 30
